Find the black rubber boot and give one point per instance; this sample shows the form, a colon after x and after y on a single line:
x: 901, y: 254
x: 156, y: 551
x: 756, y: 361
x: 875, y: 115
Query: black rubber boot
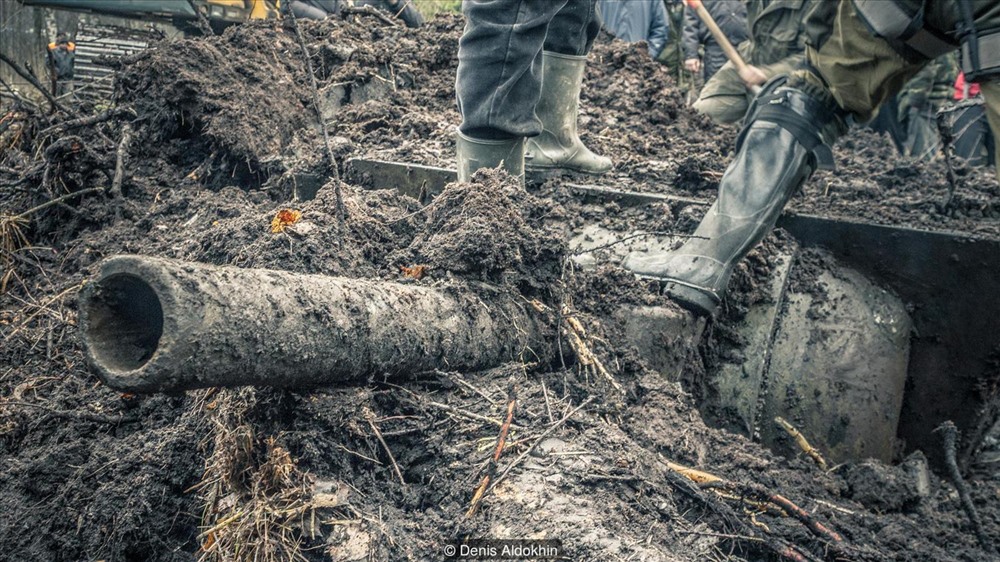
x: 475, y: 154
x: 784, y: 141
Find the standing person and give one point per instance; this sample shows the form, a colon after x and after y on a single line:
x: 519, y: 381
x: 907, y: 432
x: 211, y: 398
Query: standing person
x: 919, y: 102
x: 61, y: 59
x: 672, y: 54
x: 966, y: 123
x: 731, y: 16
x: 864, y: 52
x: 776, y: 45
x: 520, y: 71
x: 637, y: 20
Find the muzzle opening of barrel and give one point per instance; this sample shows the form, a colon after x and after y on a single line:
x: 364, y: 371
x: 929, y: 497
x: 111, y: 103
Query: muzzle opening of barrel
x: 125, y: 323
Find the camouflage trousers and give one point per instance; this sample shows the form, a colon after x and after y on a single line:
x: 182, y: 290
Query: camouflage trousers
x: 860, y: 71
x: 725, y: 98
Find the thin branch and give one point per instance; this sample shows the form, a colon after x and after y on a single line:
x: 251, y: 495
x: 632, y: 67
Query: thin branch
x: 491, y: 467
x: 69, y: 414
x: 85, y: 121
x: 120, y: 154
x: 538, y: 440
x: 466, y: 414
x: 334, y: 169
x: 57, y: 200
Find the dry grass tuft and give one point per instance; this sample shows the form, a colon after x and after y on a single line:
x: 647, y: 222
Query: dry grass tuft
x: 12, y: 240
x: 257, y: 503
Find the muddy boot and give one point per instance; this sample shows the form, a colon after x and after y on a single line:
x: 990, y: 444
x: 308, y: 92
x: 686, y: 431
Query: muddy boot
x: 786, y: 138
x: 559, y: 148
x: 476, y: 154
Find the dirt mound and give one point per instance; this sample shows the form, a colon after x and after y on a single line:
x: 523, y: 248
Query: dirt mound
x: 234, y: 99
x: 386, y: 470
x: 872, y: 182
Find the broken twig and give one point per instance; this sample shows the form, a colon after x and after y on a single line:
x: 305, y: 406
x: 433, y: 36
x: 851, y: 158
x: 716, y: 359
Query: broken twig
x: 116, y: 183
x: 370, y: 418
x: 538, y: 440
x: 491, y: 467
x: 780, y: 547
x: 802, y: 442
x: 765, y: 500
x: 576, y: 335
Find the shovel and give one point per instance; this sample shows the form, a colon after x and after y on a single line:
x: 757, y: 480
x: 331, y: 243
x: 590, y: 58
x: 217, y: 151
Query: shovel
x: 734, y: 57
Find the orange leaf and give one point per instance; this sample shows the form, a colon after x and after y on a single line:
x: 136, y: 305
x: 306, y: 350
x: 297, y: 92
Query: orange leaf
x: 415, y: 272
x: 209, y: 541
x: 284, y: 218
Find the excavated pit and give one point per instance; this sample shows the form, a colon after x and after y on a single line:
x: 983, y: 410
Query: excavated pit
x: 389, y: 466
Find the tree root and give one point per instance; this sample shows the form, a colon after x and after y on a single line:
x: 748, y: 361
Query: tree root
x: 762, y: 500
x: 949, y: 434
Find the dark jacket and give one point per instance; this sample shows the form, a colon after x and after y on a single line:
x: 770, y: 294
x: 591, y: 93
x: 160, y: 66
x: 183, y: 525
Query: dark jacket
x: 637, y: 20
x: 778, y: 29
x: 730, y: 15
x: 62, y: 59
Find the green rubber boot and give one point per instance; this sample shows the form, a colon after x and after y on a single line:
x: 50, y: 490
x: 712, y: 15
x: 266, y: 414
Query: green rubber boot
x: 477, y: 154
x: 559, y: 148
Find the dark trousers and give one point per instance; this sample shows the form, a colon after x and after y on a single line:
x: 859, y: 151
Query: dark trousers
x: 500, y: 59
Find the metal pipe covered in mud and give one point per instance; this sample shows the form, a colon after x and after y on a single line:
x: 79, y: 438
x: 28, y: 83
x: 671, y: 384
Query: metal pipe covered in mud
x: 153, y: 324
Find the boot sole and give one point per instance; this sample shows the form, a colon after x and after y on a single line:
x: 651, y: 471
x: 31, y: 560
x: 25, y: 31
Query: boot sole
x: 690, y: 299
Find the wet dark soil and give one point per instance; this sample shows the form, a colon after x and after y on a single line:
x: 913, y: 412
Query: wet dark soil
x: 386, y: 470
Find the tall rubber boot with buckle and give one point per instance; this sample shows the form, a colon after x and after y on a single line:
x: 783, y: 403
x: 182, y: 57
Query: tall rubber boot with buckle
x: 785, y: 139
x: 559, y: 148
x: 476, y: 154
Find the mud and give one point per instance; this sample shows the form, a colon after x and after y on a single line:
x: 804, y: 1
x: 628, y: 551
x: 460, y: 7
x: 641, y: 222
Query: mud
x: 386, y: 469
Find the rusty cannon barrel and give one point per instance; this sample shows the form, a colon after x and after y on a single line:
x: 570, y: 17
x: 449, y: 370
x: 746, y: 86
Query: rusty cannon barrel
x: 153, y: 324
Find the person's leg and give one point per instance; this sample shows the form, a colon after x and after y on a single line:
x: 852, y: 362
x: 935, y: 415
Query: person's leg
x: 573, y: 28
x: 857, y: 70
x: 499, y: 66
x: 570, y: 37
x: 789, y: 130
x: 785, y: 139
x: 498, y: 82
x: 922, y: 139
x: 724, y: 97
x: 991, y: 95
x: 307, y: 11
